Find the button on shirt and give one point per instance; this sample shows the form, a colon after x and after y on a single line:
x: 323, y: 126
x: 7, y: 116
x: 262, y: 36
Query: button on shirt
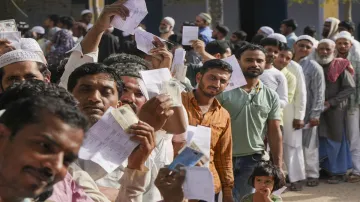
x: 249, y: 114
x: 218, y: 119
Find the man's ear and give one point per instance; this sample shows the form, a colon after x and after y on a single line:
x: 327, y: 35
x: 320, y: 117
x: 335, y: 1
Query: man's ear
x: 4, y: 131
x: 198, y: 77
x: 47, y: 77
x: 119, y: 104
x: 217, y: 56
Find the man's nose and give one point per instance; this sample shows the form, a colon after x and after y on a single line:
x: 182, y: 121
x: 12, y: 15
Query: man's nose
x: 95, y: 96
x: 55, y: 165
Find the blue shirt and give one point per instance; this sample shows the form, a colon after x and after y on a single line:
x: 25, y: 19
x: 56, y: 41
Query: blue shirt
x: 291, y: 38
x: 206, y: 34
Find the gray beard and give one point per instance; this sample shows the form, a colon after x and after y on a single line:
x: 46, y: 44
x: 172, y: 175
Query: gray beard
x: 324, y: 60
x: 164, y: 31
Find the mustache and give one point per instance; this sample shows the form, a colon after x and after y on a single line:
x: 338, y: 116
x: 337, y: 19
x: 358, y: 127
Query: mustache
x: 44, y: 174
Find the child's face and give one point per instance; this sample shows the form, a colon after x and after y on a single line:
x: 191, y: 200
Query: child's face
x: 264, y: 182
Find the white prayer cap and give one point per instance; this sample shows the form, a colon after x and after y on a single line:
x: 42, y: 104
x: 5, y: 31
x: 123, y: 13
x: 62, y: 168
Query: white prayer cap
x: 19, y: 56
x: 328, y: 41
x: 170, y: 20
x: 344, y: 35
x: 86, y: 11
x: 278, y: 37
x: 305, y: 37
x: 267, y: 30
x: 332, y: 19
x: 38, y: 29
x: 29, y: 44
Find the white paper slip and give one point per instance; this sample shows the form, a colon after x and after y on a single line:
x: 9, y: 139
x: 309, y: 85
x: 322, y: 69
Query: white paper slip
x: 8, y: 26
x: 144, y: 40
x: 198, y: 184
x: 106, y: 143
x: 137, y: 12
x: 237, y: 78
x: 190, y: 33
x: 14, y: 37
x: 201, y: 136
x: 179, y: 57
x: 280, y: 191
x: 153, y: 80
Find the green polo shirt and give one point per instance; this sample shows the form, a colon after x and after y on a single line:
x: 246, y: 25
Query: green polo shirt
x: 249, y: 113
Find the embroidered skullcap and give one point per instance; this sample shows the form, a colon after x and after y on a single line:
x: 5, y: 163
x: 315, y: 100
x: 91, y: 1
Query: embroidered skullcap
x: 38, y: 30
x: 19, y: 56
x: 267, y: 30
x: 86, y: 11
x: 170, y: 20
x: 344, y: 35
x: 278, y: 37
x: 305, y: 37
x: 128, y: 69
x: 206, y: 17
x: 328, y: 41
x: 29, y: 44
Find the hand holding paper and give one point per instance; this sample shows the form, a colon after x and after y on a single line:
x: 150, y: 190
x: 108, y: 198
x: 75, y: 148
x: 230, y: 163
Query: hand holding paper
x: 143, y: 134
x: 108, y: 13
x: 190, y: 33
x: 137, y: 12
x: 178, y: 69
x: 8, y: 26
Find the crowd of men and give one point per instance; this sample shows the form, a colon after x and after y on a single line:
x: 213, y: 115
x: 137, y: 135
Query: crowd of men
x: 299, y: 108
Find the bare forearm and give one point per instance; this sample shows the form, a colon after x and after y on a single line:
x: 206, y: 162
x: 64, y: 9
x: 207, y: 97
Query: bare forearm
x: 92, y: 40
x: 206, y: 56
x: 275, y: 142
x: 176, y: 124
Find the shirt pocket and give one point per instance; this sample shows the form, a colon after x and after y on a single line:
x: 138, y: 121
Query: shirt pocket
x: 217, y: 130
x: 260, y: 110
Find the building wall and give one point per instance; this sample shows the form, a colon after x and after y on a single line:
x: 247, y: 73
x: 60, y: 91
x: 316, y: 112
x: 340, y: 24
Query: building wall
x: 355, y: 16
x: 307, y: 14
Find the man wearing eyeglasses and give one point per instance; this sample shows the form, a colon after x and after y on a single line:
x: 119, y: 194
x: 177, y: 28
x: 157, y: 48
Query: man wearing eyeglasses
x: 315, y: 88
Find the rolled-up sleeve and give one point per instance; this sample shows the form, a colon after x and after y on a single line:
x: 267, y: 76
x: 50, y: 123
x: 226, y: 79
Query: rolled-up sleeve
x: 77, y: 58
x: 133, y: 184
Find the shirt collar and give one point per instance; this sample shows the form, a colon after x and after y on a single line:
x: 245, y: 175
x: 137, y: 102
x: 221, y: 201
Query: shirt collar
x: 215, y: 104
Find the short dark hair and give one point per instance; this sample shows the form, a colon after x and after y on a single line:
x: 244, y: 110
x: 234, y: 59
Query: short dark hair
x: 310, y: 30
x: 286, y: 48
x: 30, y: 110
x: 217, y: 46
x: 257, y: 38
x: 216, y: 64
x: 266, y: 168
x: 240, y: 35
x: 92, y: 69
x: 349, y: 25
x: 290, y: 23
x: 68, y: 21
x: 250, y: 47
x: 35, y: 88
x: 42, y: 68
x: 271, y: 42
x: 55, y: 18
x: 223, y: 30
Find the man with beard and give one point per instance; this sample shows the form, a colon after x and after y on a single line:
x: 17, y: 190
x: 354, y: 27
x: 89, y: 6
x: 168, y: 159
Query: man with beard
x: 203, y: 21
x: 220, y: 32
x: 166, y: 27
x: 40, y: 137
x: 331, y: 27
x: 203, y: 109
x: 315, y: 92
x: 334, y: 150
x: 271, y: 77
x: 346, y: 48
x: 252, y: 108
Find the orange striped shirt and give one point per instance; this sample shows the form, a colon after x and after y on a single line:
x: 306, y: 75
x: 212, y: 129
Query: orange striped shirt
x: 218, y: 119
